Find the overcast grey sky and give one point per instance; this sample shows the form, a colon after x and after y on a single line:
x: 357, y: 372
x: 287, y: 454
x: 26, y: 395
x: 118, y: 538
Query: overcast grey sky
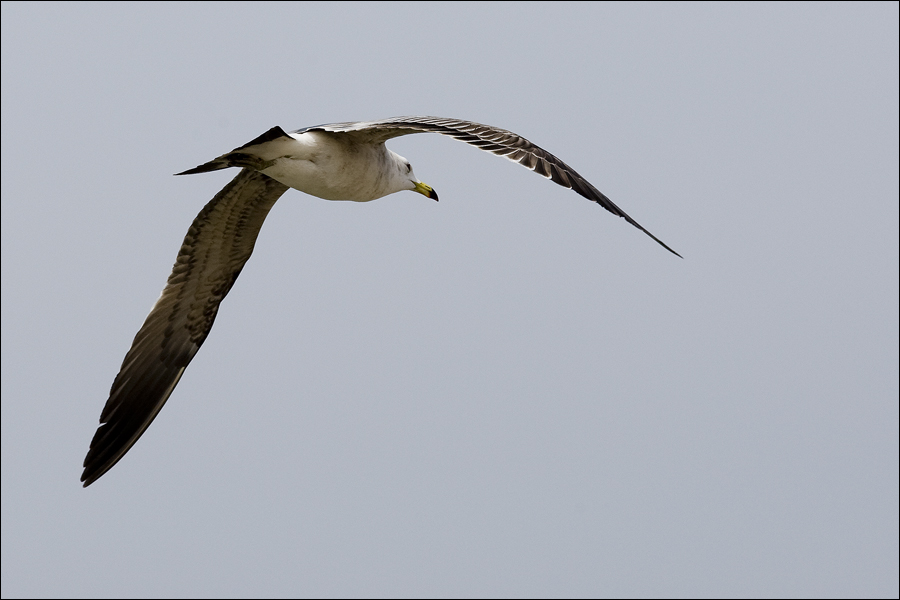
x: 510, y: 392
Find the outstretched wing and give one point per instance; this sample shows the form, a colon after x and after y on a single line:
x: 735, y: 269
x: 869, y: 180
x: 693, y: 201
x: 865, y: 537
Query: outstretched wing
x: 212, y: 255
x: 492, y: 139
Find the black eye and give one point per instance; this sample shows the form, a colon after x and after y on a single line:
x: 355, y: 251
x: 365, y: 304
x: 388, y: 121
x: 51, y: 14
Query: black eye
x: 408, y: 168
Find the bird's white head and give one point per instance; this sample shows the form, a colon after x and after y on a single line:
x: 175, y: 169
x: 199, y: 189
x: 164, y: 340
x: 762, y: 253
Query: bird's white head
x: 410, y: 181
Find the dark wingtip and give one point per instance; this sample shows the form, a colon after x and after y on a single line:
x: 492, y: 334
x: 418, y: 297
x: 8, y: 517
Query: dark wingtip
x: 88, y: 478
x: 660, y: 242
x: 91, y: 473
x: 622, y: 214
x: 669, y: 249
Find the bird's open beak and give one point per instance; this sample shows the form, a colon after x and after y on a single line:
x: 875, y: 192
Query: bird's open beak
x: 426, y: 190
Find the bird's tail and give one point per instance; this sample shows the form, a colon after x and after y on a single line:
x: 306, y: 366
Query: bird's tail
x: 236, y: 158
x: 213, y: 165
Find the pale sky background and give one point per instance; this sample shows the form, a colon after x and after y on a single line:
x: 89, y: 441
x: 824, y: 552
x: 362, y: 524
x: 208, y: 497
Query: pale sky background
x: 510, y: 392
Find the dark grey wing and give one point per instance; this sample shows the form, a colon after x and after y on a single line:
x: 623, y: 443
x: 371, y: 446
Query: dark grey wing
x: 492, y: 139
x: 218, y: 243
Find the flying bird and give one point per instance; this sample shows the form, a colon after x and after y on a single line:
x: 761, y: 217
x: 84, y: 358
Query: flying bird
x: 338, y: 161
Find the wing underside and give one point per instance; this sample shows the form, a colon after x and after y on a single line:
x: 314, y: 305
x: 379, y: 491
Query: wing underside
x: 218, y: 243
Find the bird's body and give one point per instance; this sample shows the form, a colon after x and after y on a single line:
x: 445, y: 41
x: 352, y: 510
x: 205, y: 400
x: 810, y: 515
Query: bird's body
x: 340, y: 161
x: 317, y: 160
x: 322, y: 164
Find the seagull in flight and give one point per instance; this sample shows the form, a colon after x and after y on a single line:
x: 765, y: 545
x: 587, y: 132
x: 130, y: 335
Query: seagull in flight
x: 338, y: 161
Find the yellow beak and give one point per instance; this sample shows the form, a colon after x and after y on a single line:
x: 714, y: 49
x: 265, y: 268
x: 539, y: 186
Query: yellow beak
x: 426, y: 190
